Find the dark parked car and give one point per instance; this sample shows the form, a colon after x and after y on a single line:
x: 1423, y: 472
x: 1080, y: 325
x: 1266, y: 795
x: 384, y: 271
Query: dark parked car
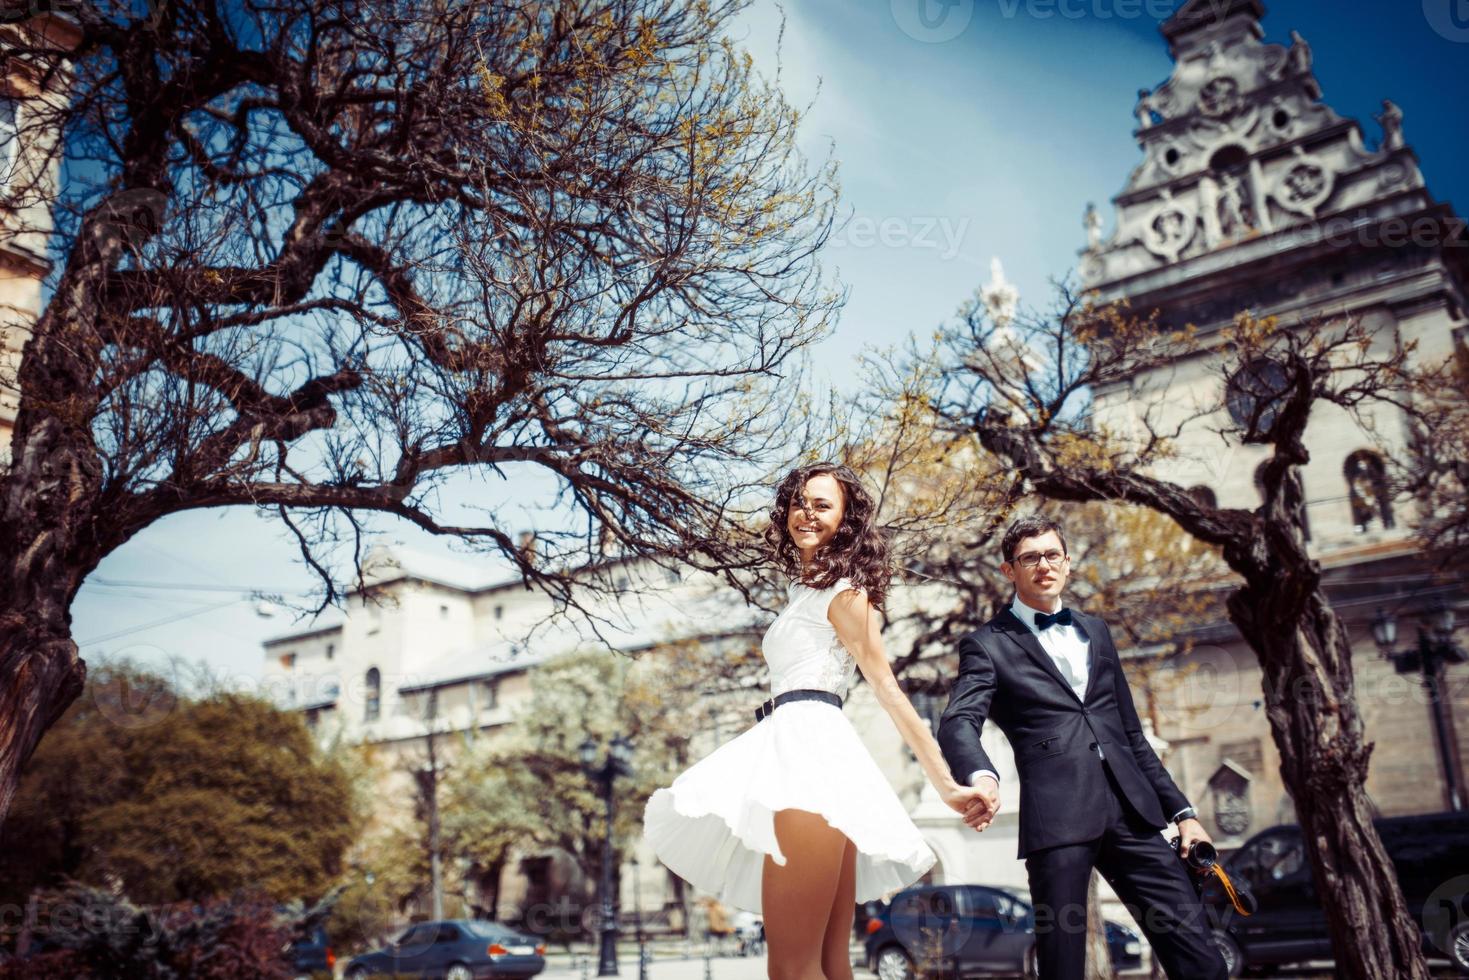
x: 311, y: 955
x: 968, y: 930
x: 456, y: 949
x: 1429, y: 852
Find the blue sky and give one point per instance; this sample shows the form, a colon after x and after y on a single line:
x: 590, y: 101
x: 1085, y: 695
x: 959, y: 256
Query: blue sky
x: 981, y: 130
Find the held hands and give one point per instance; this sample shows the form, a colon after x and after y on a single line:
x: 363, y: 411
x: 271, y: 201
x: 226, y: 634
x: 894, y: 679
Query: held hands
x: 1190, y: 832
x: 977, y: 804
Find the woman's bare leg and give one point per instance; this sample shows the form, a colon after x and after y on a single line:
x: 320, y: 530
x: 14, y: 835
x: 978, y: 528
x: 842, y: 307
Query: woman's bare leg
x: 836, y: 957
x: 797, y: 898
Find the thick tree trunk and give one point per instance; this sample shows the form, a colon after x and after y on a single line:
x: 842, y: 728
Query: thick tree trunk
x: 40, y: 675
x: 41, y: 569
x: 53, y: 531
x: 40, y: 672
x: 1311, y: 704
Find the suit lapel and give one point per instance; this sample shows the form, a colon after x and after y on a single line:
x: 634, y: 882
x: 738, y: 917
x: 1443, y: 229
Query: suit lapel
x: 1091, y: 628
x: 1023, y: 637
x: 1082, y: 623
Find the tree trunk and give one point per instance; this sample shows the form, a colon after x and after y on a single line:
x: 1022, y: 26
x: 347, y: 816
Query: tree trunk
x: 497, y: 871
x: 40, y: 676
x: 55, y: 523
x: 1311, y: 705
x: 42, y: 513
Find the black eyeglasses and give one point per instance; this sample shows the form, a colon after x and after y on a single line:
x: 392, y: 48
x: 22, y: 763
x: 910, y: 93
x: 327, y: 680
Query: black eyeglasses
x: 1032, y: 559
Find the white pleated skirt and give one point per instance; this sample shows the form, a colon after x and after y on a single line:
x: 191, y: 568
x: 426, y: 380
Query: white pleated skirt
x: 715, y: 824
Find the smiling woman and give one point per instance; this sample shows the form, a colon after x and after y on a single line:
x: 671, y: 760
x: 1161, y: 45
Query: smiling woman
x: 793, y: 818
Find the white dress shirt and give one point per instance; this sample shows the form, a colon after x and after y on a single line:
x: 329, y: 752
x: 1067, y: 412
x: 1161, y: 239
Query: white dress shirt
x: 1065, y: 645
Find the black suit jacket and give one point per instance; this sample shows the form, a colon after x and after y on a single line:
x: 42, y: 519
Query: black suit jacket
x: 1059, y: 739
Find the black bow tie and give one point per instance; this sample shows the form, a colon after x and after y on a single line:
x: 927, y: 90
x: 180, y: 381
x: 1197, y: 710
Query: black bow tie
x: 1047, y: 620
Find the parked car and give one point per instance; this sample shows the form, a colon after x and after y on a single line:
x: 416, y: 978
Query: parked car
x: 454, y: 949
x: 311, y: 955
x: 1429, y: 852
x: 968, y: 930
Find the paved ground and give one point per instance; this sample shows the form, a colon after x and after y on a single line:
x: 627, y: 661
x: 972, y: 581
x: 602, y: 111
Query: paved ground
x: 679, y: 962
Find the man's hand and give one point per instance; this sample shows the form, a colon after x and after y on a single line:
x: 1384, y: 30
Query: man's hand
x: 1190, y: 832
x: 985, y: 805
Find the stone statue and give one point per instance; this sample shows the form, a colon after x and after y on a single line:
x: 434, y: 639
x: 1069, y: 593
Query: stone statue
x: 1391, y: 120
x: 1144, y: 108
x: 1209, y: 210
x: 1092, y: 222
x: 1232, y: 219
x: 1300, y: 54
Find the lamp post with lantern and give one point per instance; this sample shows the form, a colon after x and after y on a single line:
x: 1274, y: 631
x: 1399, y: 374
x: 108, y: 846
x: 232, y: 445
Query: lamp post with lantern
x: 617, y: 763
x: 1435, y: 649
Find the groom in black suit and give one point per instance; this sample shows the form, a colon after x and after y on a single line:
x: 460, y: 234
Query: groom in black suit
x: 1092, y: 791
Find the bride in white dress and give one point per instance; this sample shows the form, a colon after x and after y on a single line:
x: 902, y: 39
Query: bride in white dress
x: 793, y: 818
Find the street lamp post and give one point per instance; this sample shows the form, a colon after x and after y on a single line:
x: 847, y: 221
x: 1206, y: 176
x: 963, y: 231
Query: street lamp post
x: 1435, y: 649
x: 617, y: 763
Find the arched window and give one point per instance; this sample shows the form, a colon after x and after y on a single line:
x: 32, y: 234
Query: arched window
x: 1204, y: 496
x: 1367, y: 490
x: 374, y: 704
x: 9, y: 139
x: 1305, y: 515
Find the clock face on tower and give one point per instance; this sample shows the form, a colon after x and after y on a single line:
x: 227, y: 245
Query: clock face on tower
x: 1253, y: 395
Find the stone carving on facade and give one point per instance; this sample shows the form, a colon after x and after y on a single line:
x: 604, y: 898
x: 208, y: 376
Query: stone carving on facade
x: 1092, y: 222
x: 1391, y: 120
x: 1304, y: 184
x: 1392, y: 175
x: 1224, y: 158
x: 1169, y: 228
x: 1220, y: 97
x: 1209, y: 210
x: 1234, y: 210
x: 1300, y: 54
x: 1230, y: 789
x: 1144, y: 109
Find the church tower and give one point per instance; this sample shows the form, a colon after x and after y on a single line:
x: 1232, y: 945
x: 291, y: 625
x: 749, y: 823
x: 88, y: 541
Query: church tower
x: 1254, y: 195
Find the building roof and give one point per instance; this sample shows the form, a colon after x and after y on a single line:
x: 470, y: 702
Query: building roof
x: 329, y: 621
x: 466, y: 573
x: 644, y: 621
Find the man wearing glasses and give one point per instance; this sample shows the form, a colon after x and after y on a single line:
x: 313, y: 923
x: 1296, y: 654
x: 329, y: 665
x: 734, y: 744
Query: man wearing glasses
x: 1092, y: 791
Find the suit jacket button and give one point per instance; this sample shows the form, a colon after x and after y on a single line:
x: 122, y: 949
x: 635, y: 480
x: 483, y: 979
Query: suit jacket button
x: 1092, y: 747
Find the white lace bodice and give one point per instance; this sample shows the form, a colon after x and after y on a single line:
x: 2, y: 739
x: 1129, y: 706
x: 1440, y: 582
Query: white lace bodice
x: 801, y: 647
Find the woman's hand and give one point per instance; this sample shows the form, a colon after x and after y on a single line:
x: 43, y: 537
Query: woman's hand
x: 960, y: 799
x: 976, y: 804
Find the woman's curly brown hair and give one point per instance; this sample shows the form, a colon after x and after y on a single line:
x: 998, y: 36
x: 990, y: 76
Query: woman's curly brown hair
x: 858, y: 551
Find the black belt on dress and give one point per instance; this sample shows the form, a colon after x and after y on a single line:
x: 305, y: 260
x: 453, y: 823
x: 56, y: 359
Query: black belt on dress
x: 803, y: 694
